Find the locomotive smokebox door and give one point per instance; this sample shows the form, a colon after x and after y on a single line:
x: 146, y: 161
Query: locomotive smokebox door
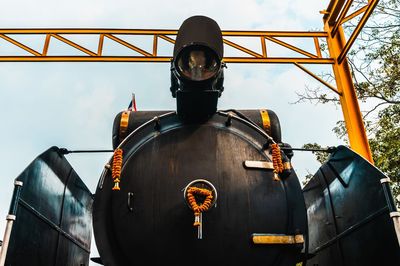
x: 156, y: 167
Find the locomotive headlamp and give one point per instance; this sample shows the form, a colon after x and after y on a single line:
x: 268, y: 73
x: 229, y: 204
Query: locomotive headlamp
x: 197, y: 68
x: 197, y: 63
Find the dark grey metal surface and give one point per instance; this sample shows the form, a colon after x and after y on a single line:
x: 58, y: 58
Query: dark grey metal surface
x: 275, y: 126
x: 54, y: 215
x: 138, y: 118
x: 159, y: 162
x: 348, y: 214
x: 209, y: 34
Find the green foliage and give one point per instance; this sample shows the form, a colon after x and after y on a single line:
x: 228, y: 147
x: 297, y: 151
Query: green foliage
x: 306, y: 179
x: 386, y: 144
x: 320, y: 155
x: 377, y: 78
x: 375, y: 65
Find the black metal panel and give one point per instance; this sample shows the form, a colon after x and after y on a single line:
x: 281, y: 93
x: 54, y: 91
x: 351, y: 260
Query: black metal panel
x: 138, y: 118
x: 348, y: 214
x: 255, y: 116
x: 69, y: 254
x: 53, y: 225
x: 32, y: 242
x: 159, y: 162
x: 321, y: 224
x: 135, y: 120
x: 77, y: 211
x: 207, y: 34
x: 195, y: 106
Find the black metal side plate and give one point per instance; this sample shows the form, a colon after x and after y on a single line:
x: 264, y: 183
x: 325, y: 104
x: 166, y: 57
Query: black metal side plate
x: 54, y: 215
x: 348, y: 214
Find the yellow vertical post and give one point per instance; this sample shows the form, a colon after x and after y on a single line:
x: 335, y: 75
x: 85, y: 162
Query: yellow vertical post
x: 348, y: 98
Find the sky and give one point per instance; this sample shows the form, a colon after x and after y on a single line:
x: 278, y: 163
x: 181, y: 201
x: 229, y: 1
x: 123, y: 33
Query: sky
x: 73, y: 105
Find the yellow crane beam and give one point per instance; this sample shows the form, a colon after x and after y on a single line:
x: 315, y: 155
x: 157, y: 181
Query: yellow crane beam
x: 335, y: 16
x: 152, y: 55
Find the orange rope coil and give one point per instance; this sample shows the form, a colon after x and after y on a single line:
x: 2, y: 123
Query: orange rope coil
x: 197, y: 209
x: 276, y: 160
x: 116, y: 168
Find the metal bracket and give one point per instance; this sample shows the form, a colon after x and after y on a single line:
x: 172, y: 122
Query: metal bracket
x: 277, y: 239
x: 11, y: 217
x: 396, y: 222
x: 157, y: 124
x: 228, y: 122
x: 18, y: 183
x: 259, y: 165
x: 130, y: 201
x: 265, y: 165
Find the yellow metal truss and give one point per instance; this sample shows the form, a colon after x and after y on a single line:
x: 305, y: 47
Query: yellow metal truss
x: 152, y: 55
x: 334, y: 16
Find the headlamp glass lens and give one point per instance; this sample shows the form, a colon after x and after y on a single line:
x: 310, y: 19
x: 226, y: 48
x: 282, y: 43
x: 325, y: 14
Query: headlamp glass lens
x: 197, y: 63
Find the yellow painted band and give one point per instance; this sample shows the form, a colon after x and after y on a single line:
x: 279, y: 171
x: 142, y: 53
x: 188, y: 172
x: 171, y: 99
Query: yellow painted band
x: 123, y: 125
x: 287, y: 166
x: 277, y: 239
x: 265, y: 121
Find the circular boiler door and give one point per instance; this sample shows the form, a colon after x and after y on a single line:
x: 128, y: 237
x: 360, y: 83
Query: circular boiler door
x: 151, y: 219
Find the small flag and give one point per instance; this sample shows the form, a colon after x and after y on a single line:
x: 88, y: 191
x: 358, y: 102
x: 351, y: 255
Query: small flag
x: 132, y: 105
x: 134, y: 102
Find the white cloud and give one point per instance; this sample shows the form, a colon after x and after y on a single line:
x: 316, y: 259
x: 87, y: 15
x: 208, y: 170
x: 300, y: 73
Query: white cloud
x: 159, y: 14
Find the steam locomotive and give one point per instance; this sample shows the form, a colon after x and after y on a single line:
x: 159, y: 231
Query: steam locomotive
x: 201, y: 186
x: 226, y: 154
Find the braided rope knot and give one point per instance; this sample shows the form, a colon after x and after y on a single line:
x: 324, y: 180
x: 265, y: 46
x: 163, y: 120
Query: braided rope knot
x: 116, y: 168
x: 197, y: 209
x: 276, y: 160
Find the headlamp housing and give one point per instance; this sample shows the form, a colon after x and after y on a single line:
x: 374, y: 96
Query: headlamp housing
x: 197, y: 58
x: 197, y: 68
